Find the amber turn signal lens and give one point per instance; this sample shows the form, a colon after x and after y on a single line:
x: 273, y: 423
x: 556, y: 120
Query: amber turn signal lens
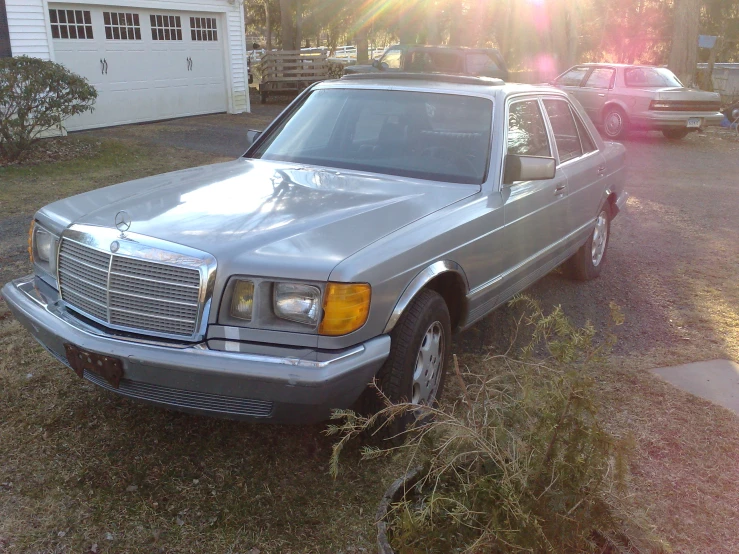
x: 30, y: 239
x: 345, y: 308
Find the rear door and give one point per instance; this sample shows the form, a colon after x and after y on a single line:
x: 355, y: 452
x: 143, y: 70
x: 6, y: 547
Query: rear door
x: 595, y: 91
x: 535, y: 211
x: 580, y: 161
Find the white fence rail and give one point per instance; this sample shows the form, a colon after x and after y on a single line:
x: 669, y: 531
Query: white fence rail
x: 344, y: 54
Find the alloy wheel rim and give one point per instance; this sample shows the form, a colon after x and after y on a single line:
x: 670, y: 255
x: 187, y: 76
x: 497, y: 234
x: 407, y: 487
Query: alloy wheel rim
x: 600, y: 237
x: 614, y: 124
x: 427, y: 371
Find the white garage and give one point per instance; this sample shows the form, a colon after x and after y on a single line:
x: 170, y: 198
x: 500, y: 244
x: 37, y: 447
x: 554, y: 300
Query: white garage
x: 148, y: 60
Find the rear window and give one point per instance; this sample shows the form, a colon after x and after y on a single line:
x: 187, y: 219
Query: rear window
x: 440, y: 137
x: 650, y: 77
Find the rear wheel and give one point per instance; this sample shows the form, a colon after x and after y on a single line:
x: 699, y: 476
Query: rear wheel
x: 588, y: 261
x: 416, y: 367
x: 675, y: 134
x: 615, y: 123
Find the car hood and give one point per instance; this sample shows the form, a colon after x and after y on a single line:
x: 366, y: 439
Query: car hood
x: 265, y: 218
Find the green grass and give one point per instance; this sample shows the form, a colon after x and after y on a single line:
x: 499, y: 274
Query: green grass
x: 23, y: 190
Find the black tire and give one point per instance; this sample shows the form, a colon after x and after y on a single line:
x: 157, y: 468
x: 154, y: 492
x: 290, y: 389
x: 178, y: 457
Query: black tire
x: 611, y: 129
x: 395, y: 377
x: 581, y: 266
x: 675, y: 134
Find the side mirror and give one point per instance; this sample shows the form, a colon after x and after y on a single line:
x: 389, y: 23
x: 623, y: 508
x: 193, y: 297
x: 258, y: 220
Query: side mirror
x: 251, y: 136
x: 376, y: 64
x: 528, y: 168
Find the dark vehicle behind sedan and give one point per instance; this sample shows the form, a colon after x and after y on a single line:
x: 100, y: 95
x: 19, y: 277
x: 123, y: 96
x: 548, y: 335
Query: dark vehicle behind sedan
x: 476, y: 62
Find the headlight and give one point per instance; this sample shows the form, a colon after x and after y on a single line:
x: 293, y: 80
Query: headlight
x: 242, y: 301
x: 42, y: 247
x: 345, y: 308
x: 299, y: 303
x: 43, y: 241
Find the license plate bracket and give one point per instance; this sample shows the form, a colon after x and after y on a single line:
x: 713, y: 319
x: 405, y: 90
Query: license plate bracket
x: 109, y: 368
x: 694, y: 123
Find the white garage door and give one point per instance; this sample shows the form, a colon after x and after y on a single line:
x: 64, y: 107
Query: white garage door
x: 145, y: 64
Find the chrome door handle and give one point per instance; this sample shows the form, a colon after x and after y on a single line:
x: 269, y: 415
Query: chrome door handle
x: 559, y: 190
x: 601, y: 170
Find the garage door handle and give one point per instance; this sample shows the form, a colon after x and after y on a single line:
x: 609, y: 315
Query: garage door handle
x: 102, y: 67
x: 189, y: 63
x: 106, y: 65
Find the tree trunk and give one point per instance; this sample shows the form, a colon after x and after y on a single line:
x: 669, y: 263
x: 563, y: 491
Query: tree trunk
x: 684, y: 51
x: 573, y: 35
x: 287, y: 33
x: 268, y: 31
x: 432, y: 23
x: 298, y: 24
x: 362, y: 45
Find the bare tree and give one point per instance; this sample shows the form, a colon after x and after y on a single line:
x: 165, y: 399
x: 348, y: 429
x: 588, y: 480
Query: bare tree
x: 268, y: 26
x: 287, y: 33
x: 684, y: 51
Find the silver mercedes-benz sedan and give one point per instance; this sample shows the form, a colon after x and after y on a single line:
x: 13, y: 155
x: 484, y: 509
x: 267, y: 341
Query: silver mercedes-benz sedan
x: 620, y: 97
x: 374, y: 217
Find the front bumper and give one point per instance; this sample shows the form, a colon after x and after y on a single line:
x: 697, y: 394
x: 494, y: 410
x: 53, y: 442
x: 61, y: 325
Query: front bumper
x: 277, y: 388
x: 659, y: 121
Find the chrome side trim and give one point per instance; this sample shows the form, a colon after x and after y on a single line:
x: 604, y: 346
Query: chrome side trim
x: 420, y: 281
x: 238, y: 348
x: 482, y: 289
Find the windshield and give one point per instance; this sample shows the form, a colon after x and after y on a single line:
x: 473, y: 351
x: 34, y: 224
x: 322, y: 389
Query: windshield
x: 650, y: 77
x: 441, y: 137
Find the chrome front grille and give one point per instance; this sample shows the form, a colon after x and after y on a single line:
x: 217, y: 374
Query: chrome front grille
x: 130, y: 293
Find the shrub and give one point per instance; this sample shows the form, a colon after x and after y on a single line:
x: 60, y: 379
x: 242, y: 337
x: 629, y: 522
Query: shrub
x: 520, y: 463
x: 35, y: 96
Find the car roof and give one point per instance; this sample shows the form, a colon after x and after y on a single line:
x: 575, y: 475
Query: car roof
x: 606, y: 64
x: 444, y: 47
x: 435, y: 82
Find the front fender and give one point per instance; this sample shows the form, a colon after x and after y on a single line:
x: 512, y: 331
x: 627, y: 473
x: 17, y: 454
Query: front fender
x: 419, y: 282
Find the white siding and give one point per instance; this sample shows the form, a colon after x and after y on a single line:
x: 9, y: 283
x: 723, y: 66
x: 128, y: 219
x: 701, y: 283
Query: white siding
x: 237, y: 50
x: 27, y: 26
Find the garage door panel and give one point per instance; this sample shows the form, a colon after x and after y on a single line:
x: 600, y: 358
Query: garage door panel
x: 148, y: 77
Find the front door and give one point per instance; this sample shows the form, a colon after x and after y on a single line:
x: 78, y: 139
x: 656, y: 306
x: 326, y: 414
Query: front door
x: 535, y: 211
x: 594, y: 92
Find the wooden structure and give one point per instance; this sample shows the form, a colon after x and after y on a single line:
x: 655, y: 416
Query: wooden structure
x: 286, y: 71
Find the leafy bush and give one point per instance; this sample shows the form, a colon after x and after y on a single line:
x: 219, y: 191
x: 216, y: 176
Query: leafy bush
x: 35, y: 96
x: 520, y: 463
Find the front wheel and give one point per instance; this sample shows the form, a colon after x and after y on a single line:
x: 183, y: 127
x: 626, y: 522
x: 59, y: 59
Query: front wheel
x: 675, y: 134
x: 615, y: 123
x: 416, y: 367
x: 588, y: 261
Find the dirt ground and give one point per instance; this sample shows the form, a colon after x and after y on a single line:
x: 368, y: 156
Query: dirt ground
x: 672, y: 266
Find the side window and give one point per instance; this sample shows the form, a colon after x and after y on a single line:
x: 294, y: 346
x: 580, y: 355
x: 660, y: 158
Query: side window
x: 573, y: 77
x: 527, y: 132
x: 601, y: 77
x: 564, y: 128
x: 445, y: 62
x: 391, y: 59
x: 587, y: 141
x: 418, y: 61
